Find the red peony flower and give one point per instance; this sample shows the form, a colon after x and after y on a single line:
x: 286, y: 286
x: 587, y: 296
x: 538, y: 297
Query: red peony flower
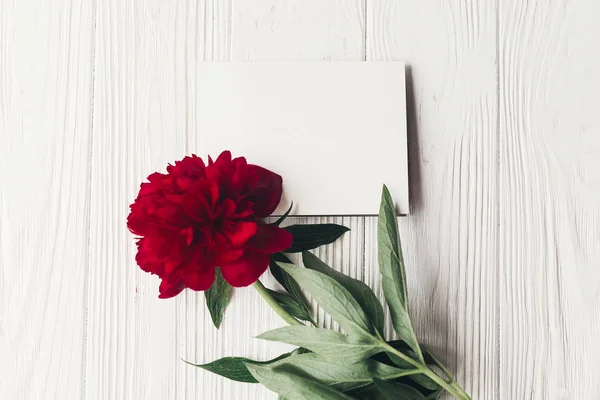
x: 196, y: 218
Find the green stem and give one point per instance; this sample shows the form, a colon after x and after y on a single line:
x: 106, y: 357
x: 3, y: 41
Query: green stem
x: 287, y: 317
x: 450, y: 387
x: 443, y: 368
x: 448, y: 374
x: 404, y: 373
x: 460, y: 389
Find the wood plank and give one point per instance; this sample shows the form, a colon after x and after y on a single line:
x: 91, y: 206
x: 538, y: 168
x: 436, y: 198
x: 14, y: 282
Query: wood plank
x: 298, y: 30
x: 46, y: 54
x: 266, y: 30
x: 140, y: 125
x: 550, y: 199
x: 449, y: 239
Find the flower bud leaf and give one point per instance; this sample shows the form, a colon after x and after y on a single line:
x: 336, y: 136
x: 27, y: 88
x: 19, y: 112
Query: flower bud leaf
x: 308, y: 237
x: 284, y: 216
x: 217, y: 298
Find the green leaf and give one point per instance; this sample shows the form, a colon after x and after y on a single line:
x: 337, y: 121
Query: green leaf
x: 360, y: 291
x: 401, y: 345
x: 332, y: 297
x: 286, y: 281
x: 234, y: 368
x: 308, y: 237
x: 325, y: 342
x: 391, y: 265
x: 284, y: 216
x: 395, y: 391
x: 294, y: 386
x: 291, y: 305
x: 420, y: 379
x: 342, y: 375
x: 434, y: 395
x: 390, y: 358
x: 217, y: 298
x: 300, y: 350
x: 368, y: 392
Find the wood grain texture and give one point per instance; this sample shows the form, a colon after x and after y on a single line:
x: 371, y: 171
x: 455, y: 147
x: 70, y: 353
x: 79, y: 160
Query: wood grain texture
x: 502, y: 245
x: 449, y: 240
x: 550, y: 199
x: 46, y: 56
x: 247, y: 316
x: 140, y: 122
x: 261, y: 30
x: 298, y: 30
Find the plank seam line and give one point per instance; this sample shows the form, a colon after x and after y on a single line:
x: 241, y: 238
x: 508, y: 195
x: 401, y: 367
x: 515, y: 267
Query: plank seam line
x: 365, y: 31
x: 89, y: 238
x: 498, y: 230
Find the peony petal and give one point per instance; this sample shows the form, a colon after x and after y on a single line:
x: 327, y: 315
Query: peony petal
x: 224, y: 157
x: 238, y: 233
x: 197, y: 279
x: 226, y: 208
x: 227, y: 256
x: 170, y: 289
x: 264, y: 191
x: 244, y: 209
x: 246, y: 270
x: 146, y: 257
x: 192, y: 167
x: 270, y: 239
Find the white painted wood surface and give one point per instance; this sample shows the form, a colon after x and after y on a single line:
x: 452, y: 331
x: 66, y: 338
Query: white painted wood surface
x: 502, y: 246
x: 46, y: 64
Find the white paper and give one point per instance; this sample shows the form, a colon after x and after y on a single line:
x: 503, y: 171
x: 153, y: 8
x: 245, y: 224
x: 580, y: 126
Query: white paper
x: 335, y: 131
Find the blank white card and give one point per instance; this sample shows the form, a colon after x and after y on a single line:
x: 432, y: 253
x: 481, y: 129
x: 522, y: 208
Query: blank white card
x: 335, y: 131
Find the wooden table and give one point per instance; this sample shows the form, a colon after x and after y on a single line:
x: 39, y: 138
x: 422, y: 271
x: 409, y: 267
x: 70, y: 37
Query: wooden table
x: 502, y: 246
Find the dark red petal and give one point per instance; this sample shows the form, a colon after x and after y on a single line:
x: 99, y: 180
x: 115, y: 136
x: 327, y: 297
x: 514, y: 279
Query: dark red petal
x: 224, y: 157
x: 226, y: 208
x: 246, y: 270
x: 146, y: 257
x: 244, y: 209
x: 264, y: 191
x: 169, y: 289
x: 270, y: 239
x: 227, y: 256
x: 198, y: 279
x: 157, y: 177
x: 192, y: 167
x: 238, y: 233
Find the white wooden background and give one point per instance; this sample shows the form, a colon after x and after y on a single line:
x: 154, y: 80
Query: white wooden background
x: 503, y: 244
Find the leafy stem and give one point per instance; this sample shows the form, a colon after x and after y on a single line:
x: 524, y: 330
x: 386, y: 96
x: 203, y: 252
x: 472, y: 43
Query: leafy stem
x: 443, y: 368
x: 287, y: 317
x: 450, y: 386
x: 405, y: 373
x: 448, y: 374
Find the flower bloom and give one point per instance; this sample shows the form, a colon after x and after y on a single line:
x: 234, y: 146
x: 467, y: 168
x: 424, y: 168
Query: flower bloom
x: 198, y: 217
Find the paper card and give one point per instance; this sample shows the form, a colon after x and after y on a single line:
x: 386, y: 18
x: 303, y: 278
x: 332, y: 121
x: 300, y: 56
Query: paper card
x: 335, y: 131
